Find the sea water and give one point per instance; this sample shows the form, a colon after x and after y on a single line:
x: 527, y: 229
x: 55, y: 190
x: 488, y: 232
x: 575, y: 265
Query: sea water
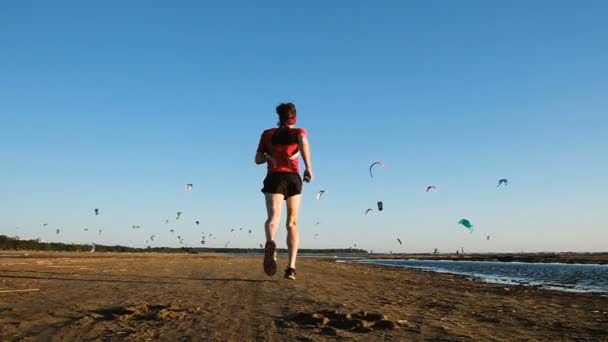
x: 567, y: 277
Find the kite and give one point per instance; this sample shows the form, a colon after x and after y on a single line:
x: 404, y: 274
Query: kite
x: 177, y: 215
x: 317, y: 223
x: 319, y: 194
x: 96, y: 211
x: 101, y: 230
x: 372, y: 165
x: 45, y: 224
x: 262, y: 247
x: 152, y: 237
x: 57, y: 231
x: 431, y: 188
x: 467, y: 224
x: 488, y: 237
x: 368, y: 210
x: 166, y: 221
x: 188, y: 187
x: 202, y: 242
x: 316, y: 236
x: 232, y: 229
x: 197, y: 222
x: 380, y: 206
x: 86, y: 229
x: 249, y: 231
x: 135, y: 227
x: 503, y: 181
x: 172, y: 231
x: 398, y: 239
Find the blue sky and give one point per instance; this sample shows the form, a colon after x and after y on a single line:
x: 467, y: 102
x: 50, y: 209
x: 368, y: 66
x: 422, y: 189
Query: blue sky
x: 113, y: 106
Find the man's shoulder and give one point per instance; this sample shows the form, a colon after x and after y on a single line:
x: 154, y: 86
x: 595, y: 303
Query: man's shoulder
x: 268, y: 131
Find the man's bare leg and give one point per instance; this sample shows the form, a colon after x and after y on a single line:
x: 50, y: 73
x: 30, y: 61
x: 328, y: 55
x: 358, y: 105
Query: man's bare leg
x: 293, y: 238
x: 273, y: 208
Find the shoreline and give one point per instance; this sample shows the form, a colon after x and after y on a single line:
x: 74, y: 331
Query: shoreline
x: 598, y: 258
x: 506, y: 280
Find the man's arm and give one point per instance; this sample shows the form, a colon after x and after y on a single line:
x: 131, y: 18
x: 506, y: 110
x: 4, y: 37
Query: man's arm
x: 260, y: 158
x: 305, y: 150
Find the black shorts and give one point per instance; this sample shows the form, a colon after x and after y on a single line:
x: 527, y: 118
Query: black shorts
x: 286, y: 183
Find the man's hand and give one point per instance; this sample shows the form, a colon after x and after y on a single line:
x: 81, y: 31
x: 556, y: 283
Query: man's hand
x: 308, y: 177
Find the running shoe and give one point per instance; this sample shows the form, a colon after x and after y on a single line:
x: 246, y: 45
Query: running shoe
x: 290, y: 273
x: 270, y: 258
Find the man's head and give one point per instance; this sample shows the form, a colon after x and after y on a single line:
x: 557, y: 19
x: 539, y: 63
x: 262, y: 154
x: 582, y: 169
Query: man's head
x: 287, y: 114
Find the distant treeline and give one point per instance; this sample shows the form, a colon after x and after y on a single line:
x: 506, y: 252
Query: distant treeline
x: 9, y: 243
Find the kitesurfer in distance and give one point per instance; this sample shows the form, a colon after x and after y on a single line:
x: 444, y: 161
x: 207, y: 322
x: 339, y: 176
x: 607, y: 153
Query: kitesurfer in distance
x: 280, y: 148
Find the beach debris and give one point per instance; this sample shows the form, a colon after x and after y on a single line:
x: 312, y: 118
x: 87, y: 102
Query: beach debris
x: 380, y: 206
x: 319, y: 194
x: 398, y: 239
x: 25, y: 290
x: 467, y: 224
x: 368, y: 210
x: 177, y: 215
x: 372, y: 166
x: 96, y: 211
x: 503, y: 181
x: 188, y: 187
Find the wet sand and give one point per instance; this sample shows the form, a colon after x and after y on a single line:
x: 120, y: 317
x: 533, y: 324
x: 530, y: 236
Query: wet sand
x: 201, y: 297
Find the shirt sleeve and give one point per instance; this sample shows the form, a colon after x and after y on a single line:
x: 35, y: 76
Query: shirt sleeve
x: 302, y: 131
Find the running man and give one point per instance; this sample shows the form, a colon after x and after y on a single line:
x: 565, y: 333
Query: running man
x: 280, y: 149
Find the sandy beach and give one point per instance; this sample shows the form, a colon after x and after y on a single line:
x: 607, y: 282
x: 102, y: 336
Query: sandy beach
x: 202, y: 297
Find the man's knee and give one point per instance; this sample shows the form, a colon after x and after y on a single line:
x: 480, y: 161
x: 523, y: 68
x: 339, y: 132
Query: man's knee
x: 292, y: 226
x: 272, y: 223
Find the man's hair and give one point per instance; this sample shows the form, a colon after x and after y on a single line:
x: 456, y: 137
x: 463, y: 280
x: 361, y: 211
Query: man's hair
x: 286, y: 111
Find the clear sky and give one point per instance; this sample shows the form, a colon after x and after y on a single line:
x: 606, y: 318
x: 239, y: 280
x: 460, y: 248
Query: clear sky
x: 116, y: 105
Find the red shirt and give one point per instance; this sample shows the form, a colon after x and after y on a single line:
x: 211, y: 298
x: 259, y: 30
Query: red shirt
x: 282, y: 149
